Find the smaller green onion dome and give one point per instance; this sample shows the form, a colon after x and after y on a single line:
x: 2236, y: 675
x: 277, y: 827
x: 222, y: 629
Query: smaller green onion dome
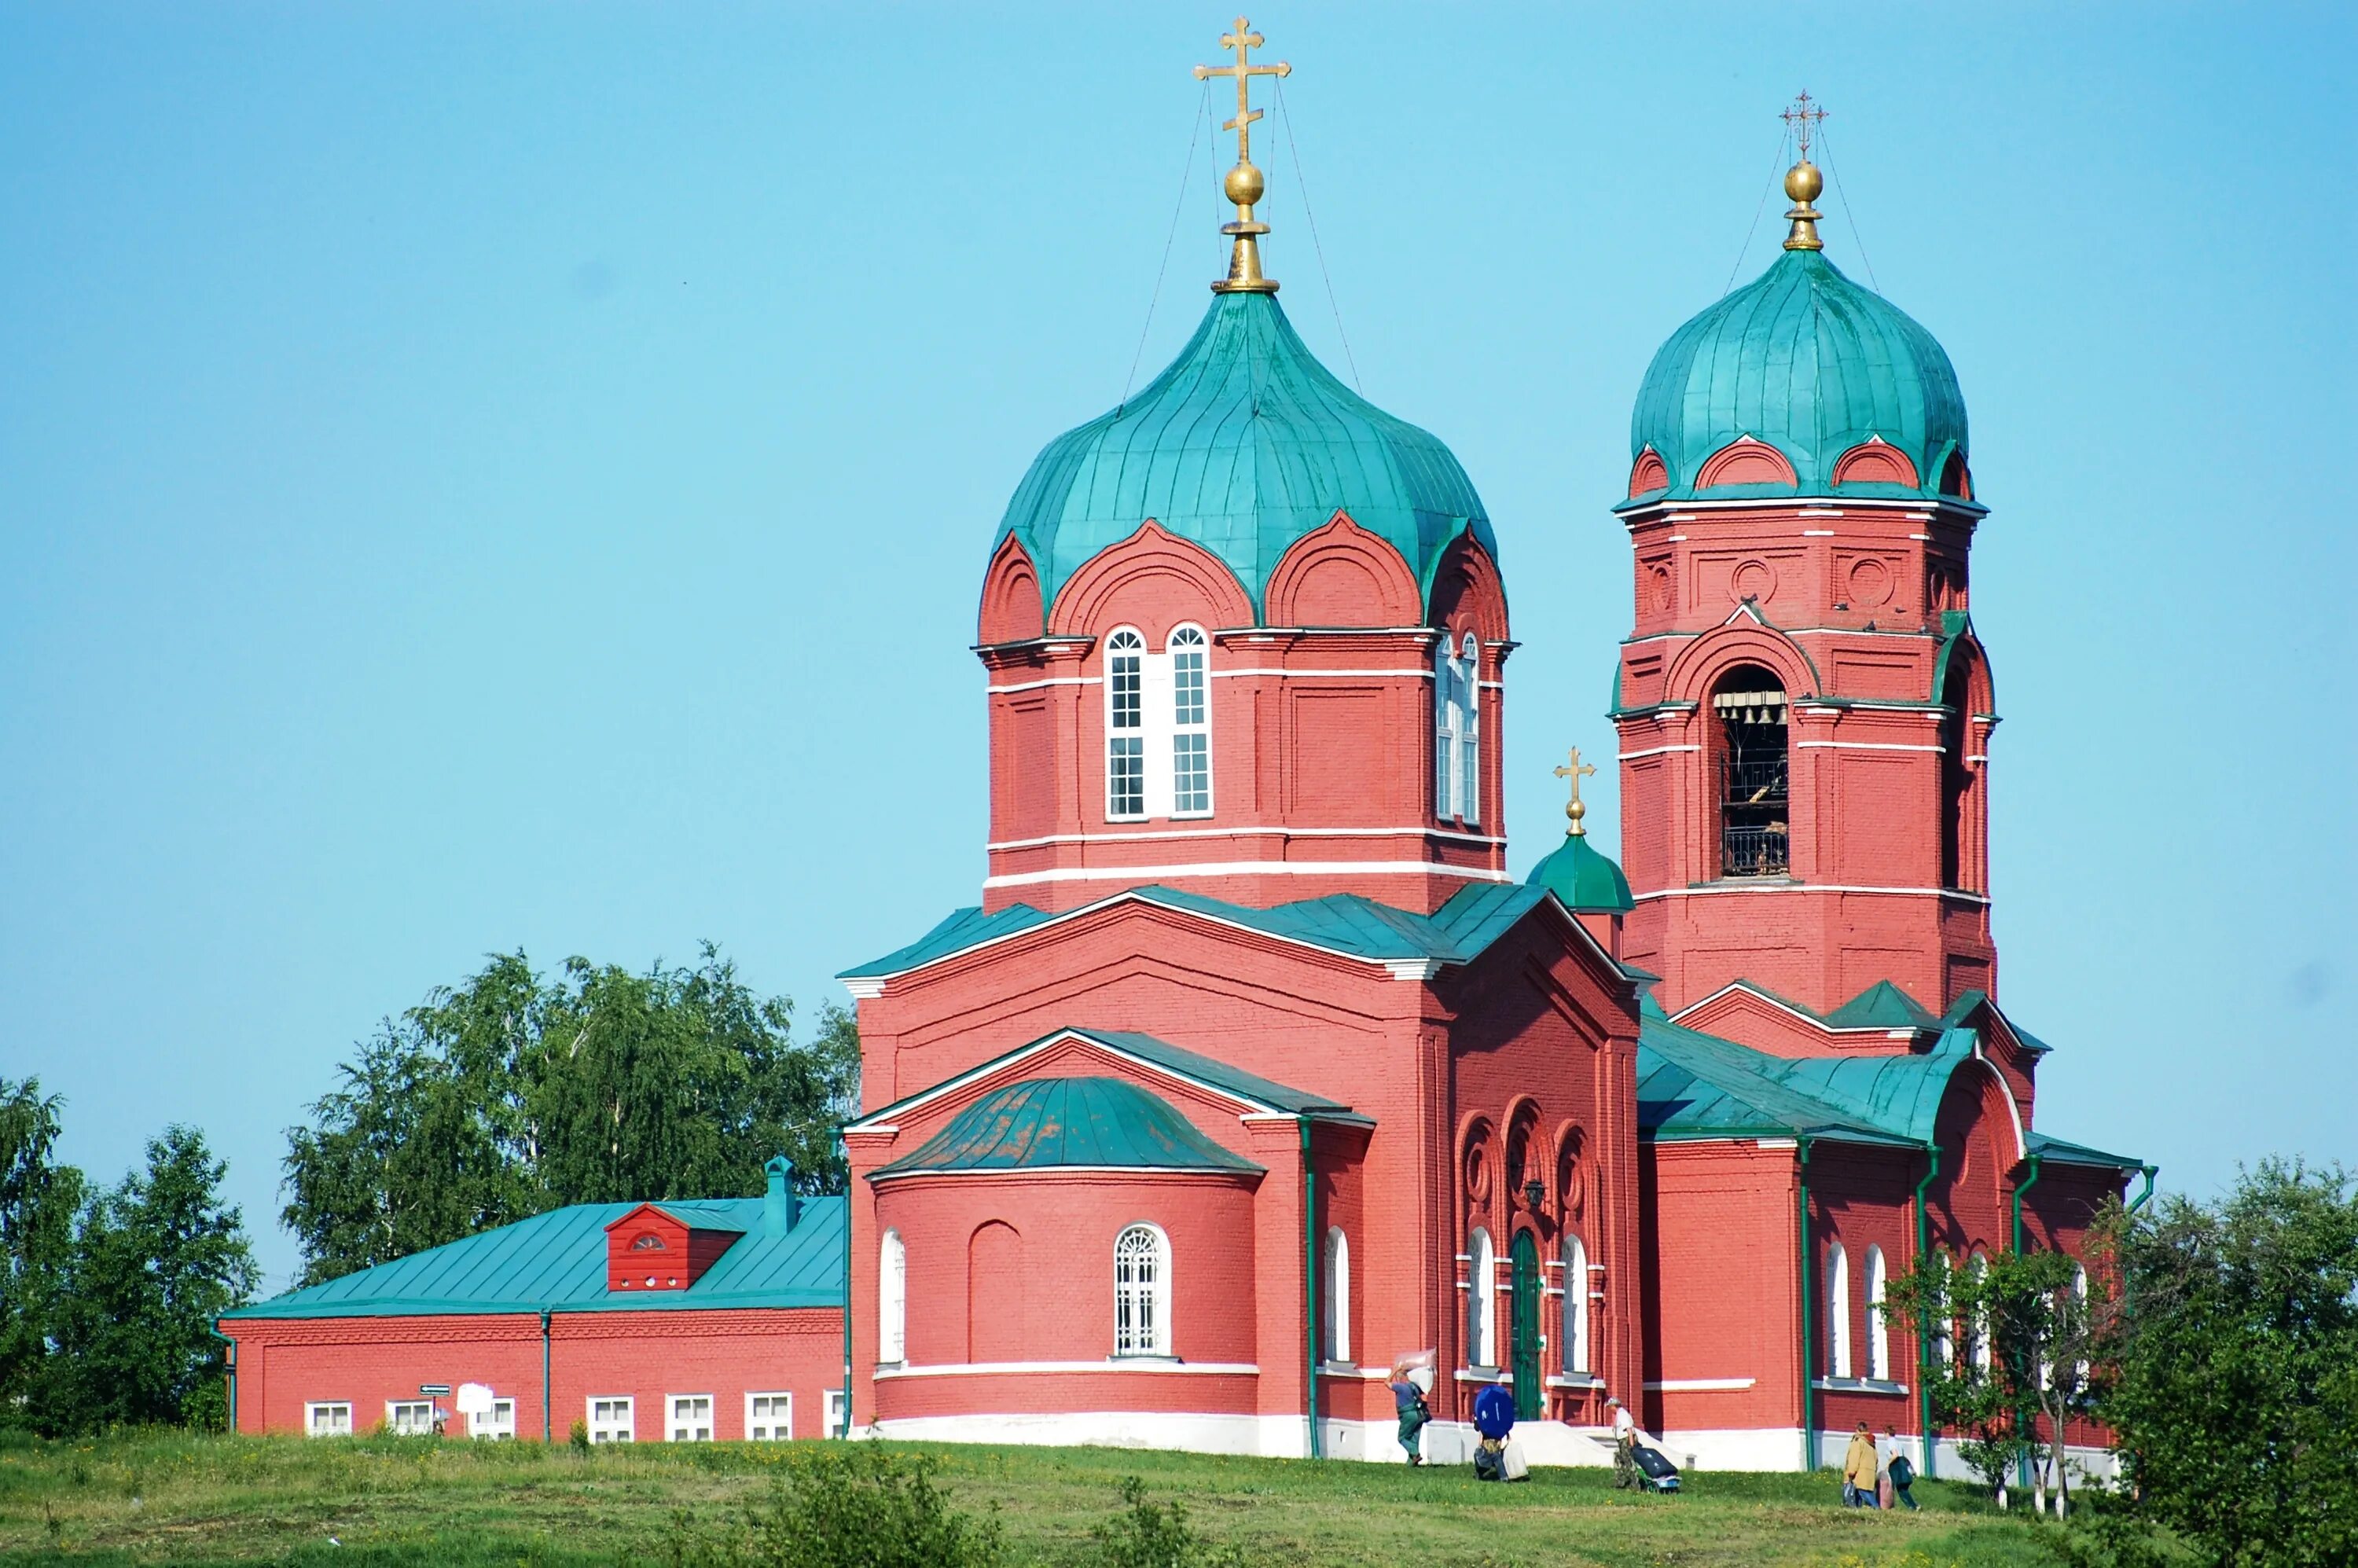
x: 1810, y: 362
x: 1042, y: 1123
x: 1583, y: 879
x: 1244, y: 445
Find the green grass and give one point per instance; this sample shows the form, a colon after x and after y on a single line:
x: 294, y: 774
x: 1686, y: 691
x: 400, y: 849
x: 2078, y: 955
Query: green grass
x: 160, y: 1498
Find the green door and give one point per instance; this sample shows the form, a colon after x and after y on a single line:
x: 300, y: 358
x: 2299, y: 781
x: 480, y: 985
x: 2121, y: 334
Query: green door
x: 1529, y: 1397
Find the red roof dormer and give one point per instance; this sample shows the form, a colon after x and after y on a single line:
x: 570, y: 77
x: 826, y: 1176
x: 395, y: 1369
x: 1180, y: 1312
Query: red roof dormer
x: 651, y: 1249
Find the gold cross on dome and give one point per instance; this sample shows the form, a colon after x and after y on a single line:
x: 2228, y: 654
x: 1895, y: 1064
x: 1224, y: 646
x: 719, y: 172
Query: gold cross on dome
x: 1243, y: 40
x: 1803, y: 119
x: 1576, y: 808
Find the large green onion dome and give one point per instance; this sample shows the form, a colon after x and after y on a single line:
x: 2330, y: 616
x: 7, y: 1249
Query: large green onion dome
x: 1815, y: 366
x: 1245, y: 444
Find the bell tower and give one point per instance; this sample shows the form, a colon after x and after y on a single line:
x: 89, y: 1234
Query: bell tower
x: 1804, y: 711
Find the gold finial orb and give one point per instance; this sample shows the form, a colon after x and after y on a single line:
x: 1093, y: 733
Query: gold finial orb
x: 1244, y: 185
x: 1803, y: 182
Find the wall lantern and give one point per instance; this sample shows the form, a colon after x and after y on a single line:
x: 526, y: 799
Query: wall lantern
x: 1534, y: 1194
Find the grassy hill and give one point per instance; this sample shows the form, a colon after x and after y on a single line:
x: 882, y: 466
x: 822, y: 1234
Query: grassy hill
x: 183, y: 1499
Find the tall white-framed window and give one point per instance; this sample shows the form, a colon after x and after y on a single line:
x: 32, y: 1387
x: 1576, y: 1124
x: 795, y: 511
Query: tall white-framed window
x: 1335, y: 1308
x: 1837, y: 1312
x: 1191, y: 722
x: 1457, y: 727
x: 2079, y: 1310
x: 1879, y: 1327
x: 1142, y: 1291
x: 691, y: 1418
x: 409, y: 1418
x: 498, y: 1423
x: 891, y: 1300
x: 836, y: 1417
x: 611, y: 1419
x: 1576, y: 1306
x: 1481, y: 1301
x: 1125, y: 689
x: 1977, y: 1331
x: 327, y: 1418
x: 1944, y: 1344
x: 769, y: 1418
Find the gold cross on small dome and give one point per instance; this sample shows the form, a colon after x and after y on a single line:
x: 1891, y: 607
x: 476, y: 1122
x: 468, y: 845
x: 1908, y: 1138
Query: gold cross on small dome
x: 1803, y: 119
x: 1802, y: 181
x: 1243, y: 184
x: 1575, y: 808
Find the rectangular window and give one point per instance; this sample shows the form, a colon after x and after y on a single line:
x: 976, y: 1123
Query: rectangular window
x: 1125, y: 776
x: 497, y: 1423
x: 1191, y: 774
x: 1127, y: 711
x: 330, y: 1420
x: 1187, y: 687
x: 769, y: 1418
x: 611, y: 1420
x: 691, y: 1418
x: 835, y: 1413
x: 409, y: 1418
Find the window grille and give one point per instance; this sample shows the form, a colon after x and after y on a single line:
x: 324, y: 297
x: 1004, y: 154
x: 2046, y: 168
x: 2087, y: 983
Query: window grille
x: 1142, y: 1283
x: 769, y: 1418
x: 611, y: 1420
x: 691, y: 1418
x: 1125, y: 725
x: 1755, y: 806
x: 410, y: 1418
x: 1191, y: 711
x: 498, y: 1423
x: 327, y: 1420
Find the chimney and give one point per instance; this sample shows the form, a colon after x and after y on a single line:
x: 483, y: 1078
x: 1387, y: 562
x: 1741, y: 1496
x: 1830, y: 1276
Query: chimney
x: 778, y: 1203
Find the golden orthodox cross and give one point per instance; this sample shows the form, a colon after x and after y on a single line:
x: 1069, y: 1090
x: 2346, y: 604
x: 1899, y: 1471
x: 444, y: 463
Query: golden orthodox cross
x: 1243, y: 40
x: 1576, y: 808
x: 1803, y: 119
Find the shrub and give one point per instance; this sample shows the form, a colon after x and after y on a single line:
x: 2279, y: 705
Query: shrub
x: 1149, y: 1535
x: 579, y: 1435
x: 851, y: 1505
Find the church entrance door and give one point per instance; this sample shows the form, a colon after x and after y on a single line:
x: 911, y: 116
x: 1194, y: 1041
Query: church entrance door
x: 1530, y: 1397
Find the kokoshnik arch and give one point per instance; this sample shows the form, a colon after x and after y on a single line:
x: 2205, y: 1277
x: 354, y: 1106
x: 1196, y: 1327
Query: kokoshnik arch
x: 1253, y: 1068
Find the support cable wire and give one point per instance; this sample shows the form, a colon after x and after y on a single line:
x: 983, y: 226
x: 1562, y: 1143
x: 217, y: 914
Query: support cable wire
x: 1285, y: 118
x: 1194, y: 135
x: 1775, y: 167
x: 1835, y: 169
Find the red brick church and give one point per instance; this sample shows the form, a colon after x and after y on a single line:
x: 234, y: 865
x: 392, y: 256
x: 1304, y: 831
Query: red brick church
x: 1255, y: 1068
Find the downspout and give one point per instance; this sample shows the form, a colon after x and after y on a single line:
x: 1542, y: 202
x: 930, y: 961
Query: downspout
x: 1924, y: 1315
x: 2147, y: 1171
x: 229, y: 1366
x: 2023, y: 1419
x: 545, y: 1421
x: 1310, y: 1288
x: 844, y: 1427
x: 2023, y: 1186
x: 1802, y: 1185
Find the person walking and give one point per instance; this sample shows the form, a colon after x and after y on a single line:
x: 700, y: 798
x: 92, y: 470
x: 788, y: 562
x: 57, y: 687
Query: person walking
x: 1624, y: 1448
x: 1858, y: 1470
x: 1898, y: 1473
x: 1494, y: 1418
x: 1414, y: 1412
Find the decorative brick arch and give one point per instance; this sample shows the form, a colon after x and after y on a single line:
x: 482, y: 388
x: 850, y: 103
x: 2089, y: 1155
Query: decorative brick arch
x: 1876, y: 462
x: 1341, y: 575
x: 1956, y: 478
x: 1702, y: 663
x: 1963, y: 657
x: 1745, y: 460
x: 1648, y: 473
x: 1154, y: 579
x: 1011, y: 611
x: 1466, y: 590
x: 1571, y: 1172
x: 1479, y: 1169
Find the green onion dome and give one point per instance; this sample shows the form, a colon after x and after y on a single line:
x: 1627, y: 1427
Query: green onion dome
x: 1806, y: 360
x: 1244, y: 445
x: 1583, y: 878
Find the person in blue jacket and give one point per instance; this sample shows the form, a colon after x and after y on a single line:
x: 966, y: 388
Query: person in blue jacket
x: 1494, y: 1418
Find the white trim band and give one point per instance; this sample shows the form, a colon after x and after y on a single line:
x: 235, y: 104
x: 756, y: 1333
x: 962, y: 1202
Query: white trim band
x: 1115, y: 1364
x: 1650, y: 751
x: 1246, y: 868
x: 1812, y: 887
x: 1700, y: 1385
x: 1864, y: 746
x: 1484, y: 839
x: 1051, y: 680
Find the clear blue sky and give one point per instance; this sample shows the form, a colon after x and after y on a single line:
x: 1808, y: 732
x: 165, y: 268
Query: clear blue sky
x: 479, y: 476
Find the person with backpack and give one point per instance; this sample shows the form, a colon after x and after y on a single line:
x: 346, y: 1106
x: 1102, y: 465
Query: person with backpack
x: 1898, y: 1474
x: 1414, y: 1412
x: 1494, y: 1418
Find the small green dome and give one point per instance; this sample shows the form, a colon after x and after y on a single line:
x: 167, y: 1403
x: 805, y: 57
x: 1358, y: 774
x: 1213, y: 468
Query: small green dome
x: 1042, y: 1123
x: 1245, y: 444
x: 1810, y: 363
x: 1582, y: 879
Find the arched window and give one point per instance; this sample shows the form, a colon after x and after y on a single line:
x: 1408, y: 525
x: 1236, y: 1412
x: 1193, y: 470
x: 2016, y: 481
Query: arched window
x: 1457, y: 729
x: 1469, y: 693
x: 1944, y: 1345
x: 1191, y: 724
x: 1336, y: 1306
x: 1878, y: 1330
x: 1481, y: 1302
x: 2080, y: 1314
x: 1977, y: 1330
x: 1576, y: 1306
x: 1755, y: 810
x: 1837, y: 1312
x: 1125, y: 726
x: 1142, y: 1291
x: 1956, y: 777
x: 892, y: 1299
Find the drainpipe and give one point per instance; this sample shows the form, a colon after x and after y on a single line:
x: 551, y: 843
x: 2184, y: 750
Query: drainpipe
x: 2142, y: 1198
x: 1924, y: 1316
x: 1310, y: 1288
x: 843, y: 1428
x: 229, y: 1366
x: 1809, y: 1435
x: 2023, y: 1418
x: 546, y: 1427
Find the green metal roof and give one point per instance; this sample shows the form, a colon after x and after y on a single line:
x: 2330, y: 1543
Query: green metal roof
x: 1047, y: 1123
x: 1245, y: 444
x: 1347, y: 923
x: 1810, y: 362
x: 1692, y: 1084
x: 1881, y: 1006
x: 1583, y: 879
x: 2056, y: 1151
x: 557, y: 1261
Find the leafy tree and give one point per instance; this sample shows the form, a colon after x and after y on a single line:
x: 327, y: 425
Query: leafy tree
x: 38, y: 1198
x: 512, y: 1094
x: 2231, y: 1376
x: 157, y: 1260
